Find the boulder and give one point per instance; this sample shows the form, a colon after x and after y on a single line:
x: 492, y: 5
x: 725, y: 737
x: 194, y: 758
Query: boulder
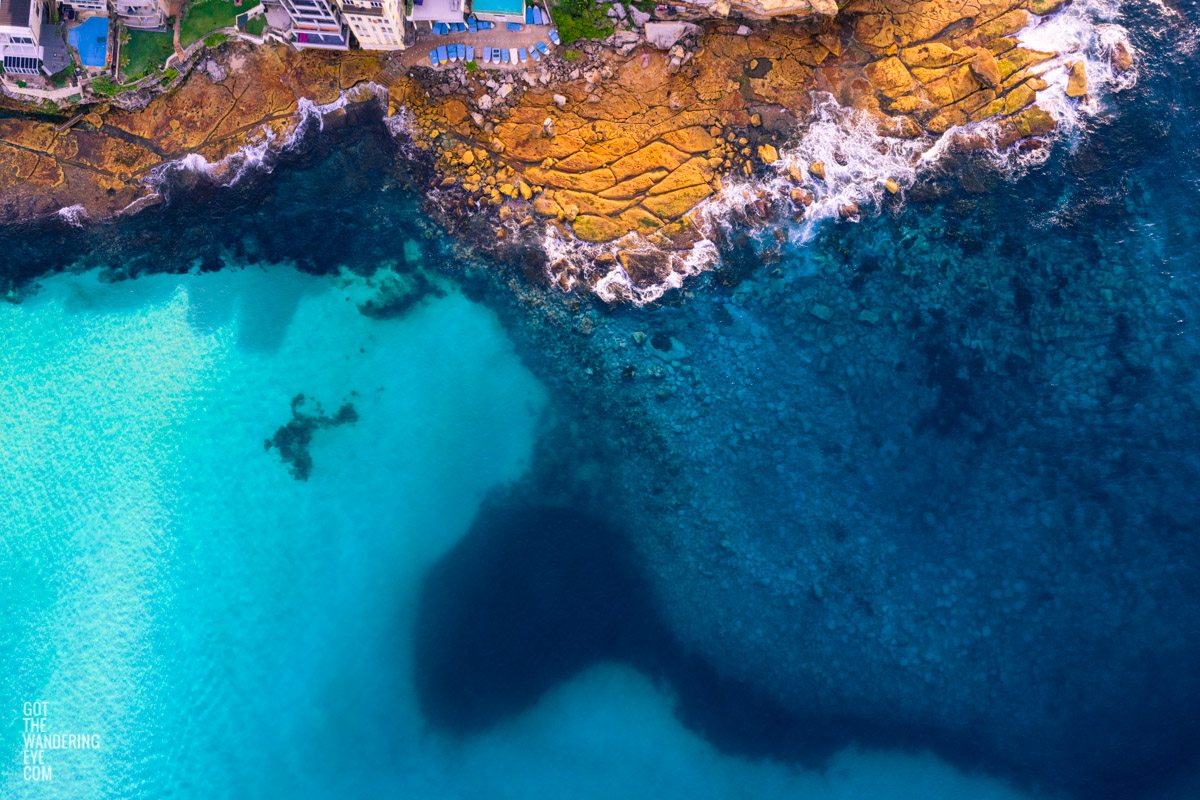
x: 1122, y: 59
x: 985, y: 69
x: 768, y: 154
x: 1077, y: 81
x: 817, y: 170
x: 664, y: 35
x: 802, y: 198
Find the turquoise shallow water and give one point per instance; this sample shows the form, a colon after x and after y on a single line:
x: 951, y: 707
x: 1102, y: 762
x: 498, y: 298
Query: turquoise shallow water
x: 170, y: 586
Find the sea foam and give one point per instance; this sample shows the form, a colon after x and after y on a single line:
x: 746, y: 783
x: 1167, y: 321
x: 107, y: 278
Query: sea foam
x: 75, y: 215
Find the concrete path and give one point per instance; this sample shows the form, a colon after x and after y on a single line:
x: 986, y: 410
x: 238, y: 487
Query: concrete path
x: 527, y: 37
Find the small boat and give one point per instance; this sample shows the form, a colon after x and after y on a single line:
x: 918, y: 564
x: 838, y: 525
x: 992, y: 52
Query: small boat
x: 522, y: 56
x: 512, y: 52
x: 514, y: 26
x: 433, y: 57
x: 487, y: 55
x: 462, y: 52
x: 554, y: 36
x: 472, y: 27
x: 442, y: 56
x: 470, y: 53
x: 534, y: 54
x: 538, y: 17
x: 542, y: 47
x: 529, y: 16
x: 504, y: 54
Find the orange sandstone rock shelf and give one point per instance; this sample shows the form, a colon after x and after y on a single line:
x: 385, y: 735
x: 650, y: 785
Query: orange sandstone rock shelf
x: 634, y: 147
x: 100, y: 163
x: 630, y: 147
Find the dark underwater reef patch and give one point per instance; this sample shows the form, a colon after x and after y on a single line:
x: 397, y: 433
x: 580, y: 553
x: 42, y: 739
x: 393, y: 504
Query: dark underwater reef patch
x: 532, y: 596
x: 397, y: 294
x: 292, y: 440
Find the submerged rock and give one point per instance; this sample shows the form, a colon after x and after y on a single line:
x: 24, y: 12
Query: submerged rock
x: 292, y: 440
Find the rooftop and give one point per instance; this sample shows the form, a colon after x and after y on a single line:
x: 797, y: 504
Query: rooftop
x: 438, y: 10
x: 14, y: 13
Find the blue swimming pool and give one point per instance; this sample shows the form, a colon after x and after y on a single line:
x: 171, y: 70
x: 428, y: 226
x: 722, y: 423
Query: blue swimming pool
x: 91, y: 40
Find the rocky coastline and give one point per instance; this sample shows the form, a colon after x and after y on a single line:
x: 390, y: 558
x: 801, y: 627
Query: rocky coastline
x: 610, y: 152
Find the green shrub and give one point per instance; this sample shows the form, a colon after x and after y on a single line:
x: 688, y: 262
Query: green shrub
x: 103, y: 85
x: 580, y: 19
x: 571, y: 55
x: 256, y: 25
x: 471, y: 66
x: 215, y: 39
x: 61, y: 77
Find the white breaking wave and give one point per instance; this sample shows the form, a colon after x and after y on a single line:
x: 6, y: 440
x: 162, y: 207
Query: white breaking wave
x: 228, y: 171
x: 857, y: 160
x: 1082, y: 31
x: 260, y: 154
x: 573, y: 264
x: 310, y: 112
x: 74, y: 215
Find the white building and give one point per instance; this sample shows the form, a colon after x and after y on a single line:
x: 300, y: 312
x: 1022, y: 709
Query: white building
x: 431, y: 11
x: 377, y: 24
x: 100, y: 7
x: 317, y: 24
x: 140, y: 14
x: 20, y: 29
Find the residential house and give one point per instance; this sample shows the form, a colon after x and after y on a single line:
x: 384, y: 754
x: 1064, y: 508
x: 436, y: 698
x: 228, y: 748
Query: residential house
x: 317, y: 24
x: 431, y: 11
x: 95, y: 6
x: 378, y: 24
x: 141, y: 14
x: 20, y: 30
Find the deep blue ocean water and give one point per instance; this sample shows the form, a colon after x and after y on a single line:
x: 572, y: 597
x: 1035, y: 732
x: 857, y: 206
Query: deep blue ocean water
x: 937, y: 542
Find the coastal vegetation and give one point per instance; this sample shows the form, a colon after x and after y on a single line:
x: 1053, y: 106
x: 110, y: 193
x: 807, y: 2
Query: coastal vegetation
x: 61, y: 77
x: 581, y: 19
x: 103, y: 85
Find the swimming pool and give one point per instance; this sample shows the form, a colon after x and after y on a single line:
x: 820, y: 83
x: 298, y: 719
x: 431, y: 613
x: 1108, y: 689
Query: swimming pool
x: 91, y: 40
